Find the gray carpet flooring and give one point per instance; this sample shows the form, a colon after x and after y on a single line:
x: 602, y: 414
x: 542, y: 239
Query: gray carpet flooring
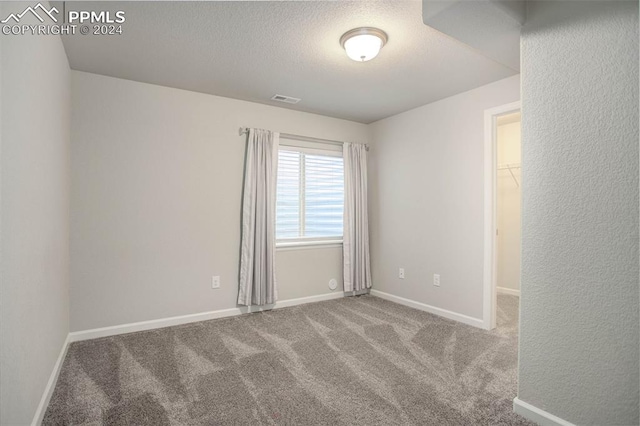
x: 352, y: 361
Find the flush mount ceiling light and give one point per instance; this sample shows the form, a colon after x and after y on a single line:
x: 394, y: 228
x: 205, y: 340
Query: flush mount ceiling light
x: 363, y: 44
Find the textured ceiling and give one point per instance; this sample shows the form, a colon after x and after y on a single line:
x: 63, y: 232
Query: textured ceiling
x: 253, y: 50
x: 491, y: 27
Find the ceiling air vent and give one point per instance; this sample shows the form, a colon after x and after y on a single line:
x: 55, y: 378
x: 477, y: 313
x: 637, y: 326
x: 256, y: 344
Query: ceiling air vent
x: 285, y: 99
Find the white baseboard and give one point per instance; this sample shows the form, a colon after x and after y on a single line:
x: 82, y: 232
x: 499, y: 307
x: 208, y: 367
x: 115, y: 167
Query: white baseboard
x: 537, y: 415
x: 95, y: 333
x: 431, y: 309
x: 509, y: 291
x: 77, y: 336
x: 51, y: 384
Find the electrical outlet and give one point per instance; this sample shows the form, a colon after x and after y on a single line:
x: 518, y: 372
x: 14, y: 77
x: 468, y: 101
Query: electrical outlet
x: 215, y: 281
x: 333, y: 284
x: 401, y: 273
x: 436, y: 280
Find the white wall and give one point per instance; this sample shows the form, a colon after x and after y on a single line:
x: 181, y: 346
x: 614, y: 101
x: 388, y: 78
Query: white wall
x: 426, y: 183
x: 579, y: 346
x: 155, y: 200
x: 34, y: 290
x: 508, y: 207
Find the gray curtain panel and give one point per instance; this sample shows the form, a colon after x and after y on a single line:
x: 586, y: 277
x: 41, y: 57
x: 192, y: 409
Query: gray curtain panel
x: 357, y: 264
x: 258, y: 248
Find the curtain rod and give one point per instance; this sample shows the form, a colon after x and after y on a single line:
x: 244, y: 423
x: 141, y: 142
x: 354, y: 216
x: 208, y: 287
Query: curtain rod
x: 244, y: 130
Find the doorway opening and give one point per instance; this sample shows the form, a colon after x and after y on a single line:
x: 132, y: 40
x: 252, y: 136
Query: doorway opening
x: 503, y: 184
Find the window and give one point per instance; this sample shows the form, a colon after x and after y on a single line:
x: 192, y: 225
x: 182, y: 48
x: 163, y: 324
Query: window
x: 310, y: 195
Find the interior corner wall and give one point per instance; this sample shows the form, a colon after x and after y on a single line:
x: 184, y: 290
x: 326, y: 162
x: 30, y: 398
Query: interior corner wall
x: 156, y: 186
x: 427, y: 207
x: 34, y: 288
x: 579, y: 319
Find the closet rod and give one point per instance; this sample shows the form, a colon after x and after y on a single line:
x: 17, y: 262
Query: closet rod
x: 244, y: 130
x: 509, y: 167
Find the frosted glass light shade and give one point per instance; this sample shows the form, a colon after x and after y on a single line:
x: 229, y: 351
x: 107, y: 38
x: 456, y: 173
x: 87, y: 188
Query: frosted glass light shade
x: 363, y: 44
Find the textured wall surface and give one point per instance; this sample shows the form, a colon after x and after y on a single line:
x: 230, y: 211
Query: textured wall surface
x: 34, y: 319
x: 156, y: 184
x: 579, y: 296
x: 427, y: 206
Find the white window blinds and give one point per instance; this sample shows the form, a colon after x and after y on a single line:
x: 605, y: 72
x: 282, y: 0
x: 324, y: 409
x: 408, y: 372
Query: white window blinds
x: 310, y: 195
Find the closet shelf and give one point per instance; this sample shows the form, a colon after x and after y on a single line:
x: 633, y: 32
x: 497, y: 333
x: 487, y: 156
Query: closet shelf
x: 511, y: 167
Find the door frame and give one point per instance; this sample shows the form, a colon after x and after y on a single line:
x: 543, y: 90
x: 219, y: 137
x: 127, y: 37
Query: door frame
x: 490, y: 214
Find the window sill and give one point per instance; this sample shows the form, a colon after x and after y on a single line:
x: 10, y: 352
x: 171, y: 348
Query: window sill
x: 306, y: 245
